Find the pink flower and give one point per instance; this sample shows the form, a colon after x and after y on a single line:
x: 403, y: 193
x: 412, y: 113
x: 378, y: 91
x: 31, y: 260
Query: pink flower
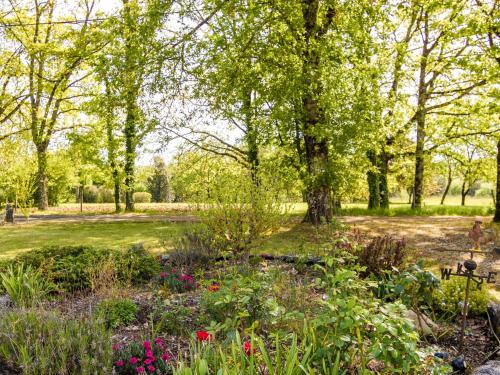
x: 174, y: 270
x: 191, y: 281
x: 149, y: 354
x: 147, y: 345
x: 140, y: 369
x: 151, y: 368
x: 119, y: 363
x: 163, y: 274
x: 133, y: 360
x: 148, y: 361
x: 114, y: 347
x: 166, y: 357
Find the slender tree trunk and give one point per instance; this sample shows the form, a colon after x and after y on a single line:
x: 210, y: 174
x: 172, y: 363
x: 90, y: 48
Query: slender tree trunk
x: 418, y: 186
x: 43, y: 200
x: 383, y: 184
x: 130, y: 135
x: 372, y: 177
x: 496, y: 218
x: 448, y: 185
x: 464, y: 193
x: 251, y: 139
x: 111, y: 145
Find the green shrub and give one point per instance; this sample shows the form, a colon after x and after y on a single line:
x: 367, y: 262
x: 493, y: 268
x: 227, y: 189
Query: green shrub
x: 117, y: 312
x: 71, y: 268
x: 38, y: 342
x: 25, y: 286
x: 142, y: 197
x: 450, y: 297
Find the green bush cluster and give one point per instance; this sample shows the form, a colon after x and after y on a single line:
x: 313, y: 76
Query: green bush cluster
x: 38, y: 342
x: 71, y: 268
x: 449, y: 298
x: 116, y: 312
x: 142, y: 197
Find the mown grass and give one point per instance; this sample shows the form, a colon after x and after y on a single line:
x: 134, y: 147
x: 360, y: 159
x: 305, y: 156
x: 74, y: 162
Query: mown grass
x: 119, y: 235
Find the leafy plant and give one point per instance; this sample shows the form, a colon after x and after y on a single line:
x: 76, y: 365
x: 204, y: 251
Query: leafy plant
x: 382, y: 254
x: 25, y: 286
x: 449, y: 299
x: 148, y: 356
x: 177, y: 281
x: 45, y: 343
x: 117, y: 312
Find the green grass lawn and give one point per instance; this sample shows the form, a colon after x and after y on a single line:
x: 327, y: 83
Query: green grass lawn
x: 17, y: 239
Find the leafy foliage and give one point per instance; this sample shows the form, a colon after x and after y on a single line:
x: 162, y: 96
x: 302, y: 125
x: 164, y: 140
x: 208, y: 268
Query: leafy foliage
x: 449, y: 299
x: 382, y: 254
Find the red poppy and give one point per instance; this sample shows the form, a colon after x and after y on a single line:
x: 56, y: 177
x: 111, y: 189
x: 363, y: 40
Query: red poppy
x: 247, y: 348
x: 203, y: 336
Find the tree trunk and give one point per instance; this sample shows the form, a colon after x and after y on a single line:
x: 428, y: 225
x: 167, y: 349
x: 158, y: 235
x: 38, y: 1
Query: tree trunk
x: 372, y: 177
x: 418, y: 186
x: 251, y: 139
x: 317, y: 181
x: 130, y: 135
x: 112, y: 146
x: 383, y: 184
x: 496, y: 218
x: 464, y: 193
x: 448, y: 185
x: 43, y: 199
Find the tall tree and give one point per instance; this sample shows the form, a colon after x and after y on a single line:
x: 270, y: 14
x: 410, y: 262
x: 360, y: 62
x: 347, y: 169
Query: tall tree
x: 53, y: 51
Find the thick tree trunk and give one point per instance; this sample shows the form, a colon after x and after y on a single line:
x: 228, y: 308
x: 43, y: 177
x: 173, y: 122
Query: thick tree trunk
x: 448, y: 185
x: 372, y: 177
x: 496, y: 218
x: 317, y: 181
x: 42, y: 180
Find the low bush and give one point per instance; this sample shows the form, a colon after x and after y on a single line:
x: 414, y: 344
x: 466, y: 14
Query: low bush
x: 381, y: 255
x: 25, y: 286
x: 449, y: 299
x: 38, y: 342
x: 74, y: 268
x: 142, y: 197
x: 116, y: 312
x: 197, y: 248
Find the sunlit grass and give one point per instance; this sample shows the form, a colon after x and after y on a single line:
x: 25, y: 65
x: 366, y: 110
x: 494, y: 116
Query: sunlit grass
x: 118, y: 235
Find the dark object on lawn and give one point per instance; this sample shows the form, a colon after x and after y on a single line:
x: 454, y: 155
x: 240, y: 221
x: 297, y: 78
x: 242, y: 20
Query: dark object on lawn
x: 489, y: 368
x: 442, y: 355
x: 9, y: 213
x: 458, y: 364
x: 382, y: 254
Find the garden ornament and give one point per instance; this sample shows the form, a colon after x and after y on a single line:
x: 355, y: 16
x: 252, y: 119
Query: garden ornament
x: 475, y: 234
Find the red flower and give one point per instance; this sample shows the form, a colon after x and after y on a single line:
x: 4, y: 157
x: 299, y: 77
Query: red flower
x: 147, y: 345
x: 149, y: 354
x: 174, y: 270
x: 140, y: 369
x: 119, y: 363
x: 148, y: 361
x: 151, y: 368
x: 114, y: 347
x: 247, y: 348
x: 163, y: 275
x: 203, y: 336
x: 133, y: 360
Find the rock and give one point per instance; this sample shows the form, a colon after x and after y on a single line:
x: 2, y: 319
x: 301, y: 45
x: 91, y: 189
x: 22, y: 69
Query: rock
x: 494, y: 314
x: 425, y: 326
x: 5, y: 303
x: 458, y: 364
x: 489, y: 368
